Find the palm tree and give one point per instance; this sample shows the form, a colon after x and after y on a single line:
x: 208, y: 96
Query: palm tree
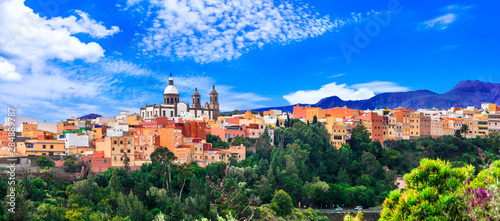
x: 464, y: 129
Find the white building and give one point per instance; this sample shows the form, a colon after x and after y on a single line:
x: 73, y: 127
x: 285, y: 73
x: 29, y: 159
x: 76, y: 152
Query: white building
x: 172, y: 107
x: 74, y: 140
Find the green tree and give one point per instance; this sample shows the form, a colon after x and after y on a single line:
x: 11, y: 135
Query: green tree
x: 70, y: 165
x: 21, y: 208
x: 237, y: 141
x: 433, y: 192
x: 282, y: 203
x: 464, y: 130
x: 163, y: 158
x: 114, y: 182
x: 185, y: 171
x: 217, y: 142
x: 137, y: 213
x: 315, y: 120
x: 126, y: 161
x: 343, y: 177
x: 124, y: 209
x: 44, y: 161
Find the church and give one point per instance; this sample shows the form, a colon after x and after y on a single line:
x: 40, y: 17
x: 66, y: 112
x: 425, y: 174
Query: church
x: 172, y: 107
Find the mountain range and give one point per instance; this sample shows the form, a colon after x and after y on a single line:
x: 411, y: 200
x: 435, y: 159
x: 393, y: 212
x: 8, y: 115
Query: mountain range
x: 465, y: 93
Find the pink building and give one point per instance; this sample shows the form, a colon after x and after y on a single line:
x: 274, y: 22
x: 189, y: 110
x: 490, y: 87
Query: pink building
x: 227, y: 132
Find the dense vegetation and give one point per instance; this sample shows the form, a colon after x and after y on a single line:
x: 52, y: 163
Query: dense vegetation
x: 300, y: 166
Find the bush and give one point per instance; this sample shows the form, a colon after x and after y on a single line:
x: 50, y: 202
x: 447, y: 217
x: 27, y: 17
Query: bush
x: 434, y: 192
x: 282, y: 203
x: 44, y: 161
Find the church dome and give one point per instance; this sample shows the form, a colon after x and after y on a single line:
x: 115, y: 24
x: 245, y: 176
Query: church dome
x: 171, y: 89
x: 196, y: 92
x: 213, y: 90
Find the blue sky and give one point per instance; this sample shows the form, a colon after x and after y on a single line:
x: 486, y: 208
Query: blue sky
x: 63, y: 58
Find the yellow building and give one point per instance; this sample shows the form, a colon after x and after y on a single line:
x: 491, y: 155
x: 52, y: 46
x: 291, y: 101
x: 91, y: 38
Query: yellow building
x: 29, y: 130
x: 115, y: 147
x: 315, y: 111
x: 134, y: 119
x: 338, y: 132
x: 41, y: 147
x: 415, y: 125
x: 391, y: 128
x: 479, y: 126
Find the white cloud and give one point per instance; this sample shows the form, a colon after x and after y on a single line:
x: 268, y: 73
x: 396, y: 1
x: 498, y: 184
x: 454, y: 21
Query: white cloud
x: 452, y: 13
x: 131, y: 3
x: 343, y: 91
x: 27, y: 36
x: 381, y: 87
x: 217, y: 30
x: 82, y: 25
x: 8, y: 71
x: 441, y: 22
x: 336, y: 76
x: 36, y: 50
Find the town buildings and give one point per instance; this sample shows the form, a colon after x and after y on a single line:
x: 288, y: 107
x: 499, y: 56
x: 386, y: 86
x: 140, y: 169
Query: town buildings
x: 183, y: 128
x: 173, y: 107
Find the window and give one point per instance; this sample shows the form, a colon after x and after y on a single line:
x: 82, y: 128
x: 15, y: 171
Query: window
x: 121, y: 142
x: 128, y: 151
x: 51, y: 146
x: 114, y: 142
x: 113, y: 149
x: 44, y: 147
x: 129, y: 143
x: 212, y: 157
x: 44, y: 154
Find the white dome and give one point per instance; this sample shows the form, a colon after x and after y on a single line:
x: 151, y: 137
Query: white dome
x: 171, y: 89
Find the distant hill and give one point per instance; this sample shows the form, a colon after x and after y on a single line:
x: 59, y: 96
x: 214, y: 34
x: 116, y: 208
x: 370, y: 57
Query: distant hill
x: 90, y: 116
x: 465, y: 93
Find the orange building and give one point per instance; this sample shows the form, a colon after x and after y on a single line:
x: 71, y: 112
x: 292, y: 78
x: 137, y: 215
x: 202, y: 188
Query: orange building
x: 115, y: 147
x: 228, y: 132
x: 29, y: 130
x: 403, y: 115
x: 425, y: 125
x: 97, y: 162
x: 341, y: 112
x: 196, y: 129
x: 314, y: 111
x: 374, y: 123
x: 40, y: 147
x: 299, y: 112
